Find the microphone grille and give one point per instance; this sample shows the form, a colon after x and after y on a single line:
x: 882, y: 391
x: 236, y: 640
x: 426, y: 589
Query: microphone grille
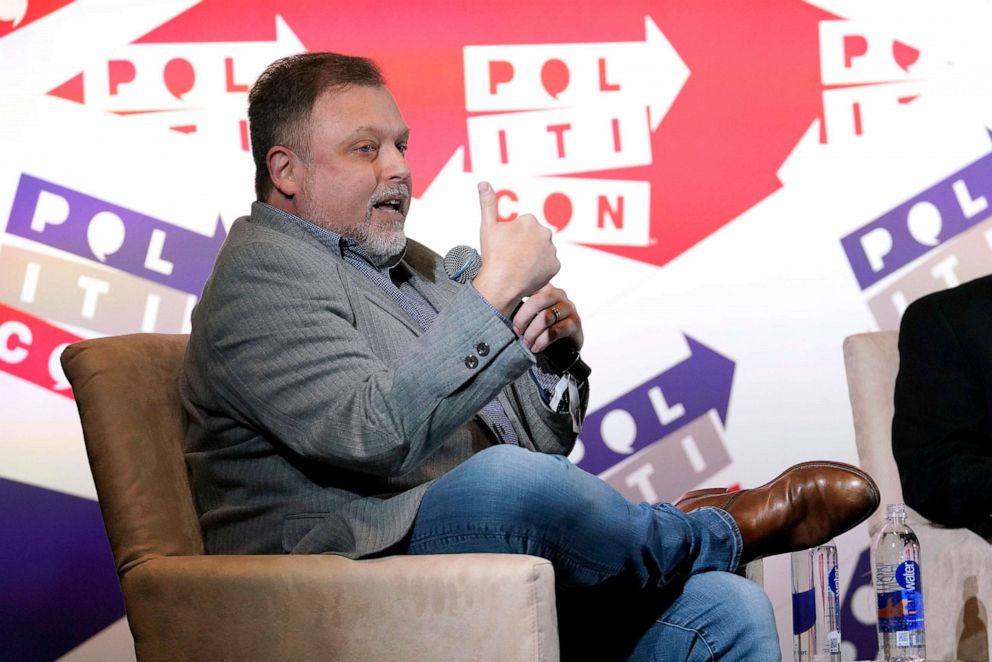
x: 462, y: 263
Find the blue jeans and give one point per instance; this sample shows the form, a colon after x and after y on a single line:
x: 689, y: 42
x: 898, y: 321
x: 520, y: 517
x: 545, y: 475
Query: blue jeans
x: 634, y: 581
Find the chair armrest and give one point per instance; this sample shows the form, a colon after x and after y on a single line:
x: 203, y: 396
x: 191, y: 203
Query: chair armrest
x: 755, y: 571
x: 326, y: 607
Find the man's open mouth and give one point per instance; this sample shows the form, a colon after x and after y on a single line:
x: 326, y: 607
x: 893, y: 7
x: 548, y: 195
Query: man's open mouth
x: 395, y: 204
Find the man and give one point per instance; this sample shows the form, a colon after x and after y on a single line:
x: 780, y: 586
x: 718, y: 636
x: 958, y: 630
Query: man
x: 345, y: 396
x: 942, y: 428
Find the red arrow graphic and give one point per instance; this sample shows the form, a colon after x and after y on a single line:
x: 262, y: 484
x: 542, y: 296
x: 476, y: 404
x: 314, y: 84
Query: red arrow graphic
x: 753, y: 90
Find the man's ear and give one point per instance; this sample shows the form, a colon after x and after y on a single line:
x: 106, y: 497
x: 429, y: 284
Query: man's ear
x: 285, y: 170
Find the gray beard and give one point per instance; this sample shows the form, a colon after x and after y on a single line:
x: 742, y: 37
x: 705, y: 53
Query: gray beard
x: 382, y: 249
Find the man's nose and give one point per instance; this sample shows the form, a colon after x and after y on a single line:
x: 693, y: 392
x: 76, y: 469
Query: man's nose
x: 394, y: 165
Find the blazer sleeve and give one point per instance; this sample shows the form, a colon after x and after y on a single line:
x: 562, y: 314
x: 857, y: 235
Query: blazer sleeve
x: 286, y: 356
x: 939, y: 437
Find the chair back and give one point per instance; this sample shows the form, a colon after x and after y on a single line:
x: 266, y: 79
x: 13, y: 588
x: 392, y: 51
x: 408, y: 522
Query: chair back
x: 127, y: 392
x: 956, y: 562
x: 872, y: 362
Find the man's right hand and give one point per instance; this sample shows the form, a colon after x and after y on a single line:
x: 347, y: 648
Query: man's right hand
x: 518, y: 258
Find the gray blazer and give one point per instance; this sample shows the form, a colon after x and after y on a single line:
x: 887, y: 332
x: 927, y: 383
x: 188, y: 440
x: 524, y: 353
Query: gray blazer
x: 319, y: 412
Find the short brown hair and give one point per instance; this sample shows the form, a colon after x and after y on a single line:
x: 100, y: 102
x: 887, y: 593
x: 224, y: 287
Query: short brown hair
x: 281, y: 100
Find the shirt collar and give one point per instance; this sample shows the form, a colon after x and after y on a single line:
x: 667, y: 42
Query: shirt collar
x: 334, y: 241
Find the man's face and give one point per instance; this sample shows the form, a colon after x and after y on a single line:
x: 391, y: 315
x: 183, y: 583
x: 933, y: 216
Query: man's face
x: 357, y: 182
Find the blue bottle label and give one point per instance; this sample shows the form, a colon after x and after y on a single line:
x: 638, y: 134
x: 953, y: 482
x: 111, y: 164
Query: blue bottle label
x: 833, y: 585
x: 902, y: 609
x: 803, y: 611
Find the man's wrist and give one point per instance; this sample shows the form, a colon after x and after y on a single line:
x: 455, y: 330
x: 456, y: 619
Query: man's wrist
x: 506, y: 320
x: 496, y: 298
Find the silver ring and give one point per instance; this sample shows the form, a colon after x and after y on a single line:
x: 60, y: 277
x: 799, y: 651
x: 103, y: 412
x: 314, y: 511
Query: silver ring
x: 554, y: 309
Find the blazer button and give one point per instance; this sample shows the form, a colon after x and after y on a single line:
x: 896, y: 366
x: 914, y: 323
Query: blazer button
x: 482, y: 349
x: 471, y: 361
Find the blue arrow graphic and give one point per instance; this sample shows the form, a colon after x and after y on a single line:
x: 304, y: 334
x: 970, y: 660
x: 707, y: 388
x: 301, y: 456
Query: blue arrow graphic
x: 700, y: 383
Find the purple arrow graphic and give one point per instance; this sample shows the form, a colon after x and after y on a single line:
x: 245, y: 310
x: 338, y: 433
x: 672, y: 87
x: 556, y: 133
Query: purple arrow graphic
x: 943, y: 211
x: 59, y: 583
x: 106, y: 233
x: 690, y: 389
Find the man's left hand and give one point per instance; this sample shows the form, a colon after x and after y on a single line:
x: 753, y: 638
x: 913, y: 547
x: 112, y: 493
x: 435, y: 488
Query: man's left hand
x: 547, y: 316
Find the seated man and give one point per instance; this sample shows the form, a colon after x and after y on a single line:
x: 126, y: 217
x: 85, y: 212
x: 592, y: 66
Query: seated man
x: 942, y: 428
x: 346, y: 396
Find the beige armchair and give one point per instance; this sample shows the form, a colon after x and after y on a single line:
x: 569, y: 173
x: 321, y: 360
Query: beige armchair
x: 182, y: 604
x: 956, y: 563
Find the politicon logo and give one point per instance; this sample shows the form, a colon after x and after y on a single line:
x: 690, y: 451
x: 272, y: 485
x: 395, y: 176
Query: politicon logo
x: 193, y: 88
x: 639, y: 133
x: 105, y: 233
x: 664, y: 436
x: 550, y: 110
x: 939, y: 238
x: 135, y: 273
x: 603, y: 138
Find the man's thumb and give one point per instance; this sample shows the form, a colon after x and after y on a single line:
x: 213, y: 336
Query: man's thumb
x: 487, y: 203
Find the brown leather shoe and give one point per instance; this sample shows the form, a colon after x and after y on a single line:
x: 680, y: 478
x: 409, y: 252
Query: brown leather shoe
x: 805, y: 506
x: 705, y: 491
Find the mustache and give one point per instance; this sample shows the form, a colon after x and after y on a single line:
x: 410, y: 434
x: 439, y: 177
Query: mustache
x: 397, y: 191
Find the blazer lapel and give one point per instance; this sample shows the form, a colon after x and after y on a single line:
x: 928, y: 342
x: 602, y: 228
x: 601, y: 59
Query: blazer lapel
x: 262, y: 215
x: 428, y: 275
x: 374, y: 296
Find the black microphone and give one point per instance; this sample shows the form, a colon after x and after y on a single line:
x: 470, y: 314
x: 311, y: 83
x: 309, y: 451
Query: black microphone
x: 463, y: 263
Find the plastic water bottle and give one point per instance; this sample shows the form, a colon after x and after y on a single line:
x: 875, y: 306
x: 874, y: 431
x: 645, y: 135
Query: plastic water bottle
x: 816, y: 605
x: 899, y: 589
x: 826, y: 582
x: 803, y: 607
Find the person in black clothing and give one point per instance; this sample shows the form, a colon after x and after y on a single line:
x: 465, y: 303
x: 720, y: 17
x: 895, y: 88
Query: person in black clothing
x: 942, y: 429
